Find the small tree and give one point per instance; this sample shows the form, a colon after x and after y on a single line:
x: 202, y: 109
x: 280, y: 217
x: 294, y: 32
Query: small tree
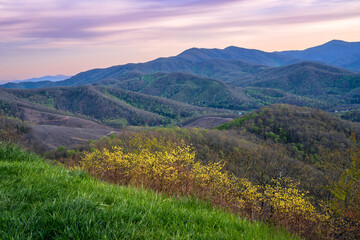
x: 346, y: 197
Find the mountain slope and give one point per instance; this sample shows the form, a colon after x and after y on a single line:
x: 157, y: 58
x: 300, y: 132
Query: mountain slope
x: 43, y: 201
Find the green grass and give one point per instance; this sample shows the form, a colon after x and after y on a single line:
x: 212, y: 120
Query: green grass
x: 41, y: 201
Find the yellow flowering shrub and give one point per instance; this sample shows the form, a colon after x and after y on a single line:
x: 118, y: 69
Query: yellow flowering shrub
x: 170, y: 167
x: 112, y: 166
x: 250, y: 198
x: 162, y: 168
x: 292, y: 208
x: 285, y: 197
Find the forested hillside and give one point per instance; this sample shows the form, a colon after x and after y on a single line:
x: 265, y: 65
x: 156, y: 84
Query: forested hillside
x: 103, y: 104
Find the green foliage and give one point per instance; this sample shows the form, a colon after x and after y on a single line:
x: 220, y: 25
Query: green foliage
x: 239, y: 121
x: 272, y: 135
x: 70, y: 153
x: 283, y: 135
x: 116, y: 123
x: 62, y: 148
x: 8, y: 108
x: 12, y: 129
x: 353, y: 116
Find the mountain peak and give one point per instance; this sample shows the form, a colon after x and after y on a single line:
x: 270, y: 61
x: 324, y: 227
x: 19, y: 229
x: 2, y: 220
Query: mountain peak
x: 231, y: 47
x: 190, y: 50
x: 335, y: 41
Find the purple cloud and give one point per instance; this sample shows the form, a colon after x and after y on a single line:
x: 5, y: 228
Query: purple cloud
x: 87, y: 25
x: 78, y: 19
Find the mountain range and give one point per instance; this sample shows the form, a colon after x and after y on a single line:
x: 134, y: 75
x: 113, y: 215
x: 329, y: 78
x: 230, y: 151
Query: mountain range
x: 198, y: 82
x: 232, y: 64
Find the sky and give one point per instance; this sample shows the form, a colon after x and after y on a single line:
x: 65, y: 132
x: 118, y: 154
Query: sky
x: 50, y: 37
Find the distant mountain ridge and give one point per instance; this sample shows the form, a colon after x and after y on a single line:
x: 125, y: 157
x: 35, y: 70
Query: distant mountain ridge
x: 229, y: 65
x: 236, y: 53
x: 336, y: 53
x: 50, y: 78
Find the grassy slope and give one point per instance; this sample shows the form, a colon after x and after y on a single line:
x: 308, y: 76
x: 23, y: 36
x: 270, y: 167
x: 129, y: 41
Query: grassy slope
x: 41, y: 201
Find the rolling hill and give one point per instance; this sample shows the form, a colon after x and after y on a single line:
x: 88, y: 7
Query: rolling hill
x: 103, y: 104
x: 309, y: 79
x: 206, y: 92
x: 64, y: 116
x: 294, y: 125
x: 186, y: 88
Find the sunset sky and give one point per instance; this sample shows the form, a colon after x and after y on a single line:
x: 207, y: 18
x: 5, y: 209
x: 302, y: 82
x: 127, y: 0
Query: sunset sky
x: 49, y: 37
